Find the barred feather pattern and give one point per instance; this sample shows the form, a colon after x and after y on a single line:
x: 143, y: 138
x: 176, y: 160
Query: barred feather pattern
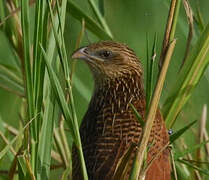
x: 110, y: 127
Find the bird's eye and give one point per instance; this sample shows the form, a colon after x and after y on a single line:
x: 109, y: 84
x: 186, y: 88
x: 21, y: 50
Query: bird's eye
x: 105, y: 54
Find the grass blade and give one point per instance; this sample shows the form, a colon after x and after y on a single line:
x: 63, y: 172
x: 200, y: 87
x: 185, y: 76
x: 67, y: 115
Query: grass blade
x: 151, y: 115
x: 10, y: 85
x: 188, y: 78
x: 150, y: 70
x: 46, y: 137
x: 99, y: 17
x: 204, y: 171
x: 28, y: 79
x: 189, y: 150
x: 139, y: 118
x: 90, y: 23
x: 59, y: 94
x: 20, y: 133
x: 123, y: 162
x: 170, y: 28
x: 66, y: 112
x: 24, y: 168
x: 177, y: 134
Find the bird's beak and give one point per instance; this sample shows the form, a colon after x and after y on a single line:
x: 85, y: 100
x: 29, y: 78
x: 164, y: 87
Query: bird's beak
x: 83, y: 53
x: 80, y: 54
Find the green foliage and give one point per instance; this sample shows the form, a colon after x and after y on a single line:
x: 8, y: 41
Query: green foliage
x: 178, y: 133
x: 42, y: 104
x: 188, y: 78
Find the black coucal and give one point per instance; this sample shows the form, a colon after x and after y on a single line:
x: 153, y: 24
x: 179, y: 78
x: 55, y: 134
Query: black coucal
x: 109, y: 126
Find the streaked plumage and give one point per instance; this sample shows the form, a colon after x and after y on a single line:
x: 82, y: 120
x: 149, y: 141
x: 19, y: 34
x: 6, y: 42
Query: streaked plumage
x: 109, y: 126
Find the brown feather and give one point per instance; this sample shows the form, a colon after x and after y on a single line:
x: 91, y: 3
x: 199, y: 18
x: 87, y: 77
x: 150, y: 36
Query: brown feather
x: 110, y: 126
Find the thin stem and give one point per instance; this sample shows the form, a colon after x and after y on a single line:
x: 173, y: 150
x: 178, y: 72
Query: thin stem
x: 151, y: 115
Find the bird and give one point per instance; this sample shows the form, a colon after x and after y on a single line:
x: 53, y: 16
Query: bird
x: 110, y: 126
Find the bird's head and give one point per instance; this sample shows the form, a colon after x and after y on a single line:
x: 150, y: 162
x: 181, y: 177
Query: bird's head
x: 109, y: 59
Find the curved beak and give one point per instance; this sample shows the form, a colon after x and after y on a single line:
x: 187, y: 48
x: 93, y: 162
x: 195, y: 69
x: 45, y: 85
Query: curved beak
x: 80, y: 54
x: 83, y: 53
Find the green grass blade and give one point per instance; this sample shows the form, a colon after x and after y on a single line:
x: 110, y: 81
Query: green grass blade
x: 46, y: 136
x: 152, y: 65
x: 148, y: 95
x: 28, y: 79
x: 11, y: 74
x: 204, y: 171
x: 66, y: 112
x: 72, y: 122
x: 177, y: 134
x: 66, y: 173
x: 182, y: 173
x: 59, y: 94
x: 123, y: 163
x: 199, y: 19
x: 20, y: 133
x: 189, y: 150
x: 8, y: 83
x: 91, y: 25
x: 99, y: 17
x: 137, y: 166
x: 101, y: 7
x: 27, y: 65
x: 40, y: 36
x: 59, y: 39
x: 188, y: 78
x: 52, y: 111
x: 77, y: 133
x: 63, y: 52
x: 150, y: 71
x: 24, y: 170
x: 139, y: 118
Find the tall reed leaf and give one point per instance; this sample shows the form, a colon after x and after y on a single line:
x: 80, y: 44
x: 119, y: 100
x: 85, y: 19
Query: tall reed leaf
x: 28, y: 79
x: 137, y: 166
x: 51, y: 112
x: 188, y: 78
x: 66, y: 112
x: 77, y: 13
x: 99, y: 17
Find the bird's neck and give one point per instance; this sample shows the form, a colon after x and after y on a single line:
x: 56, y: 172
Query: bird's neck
x: 119, y: 92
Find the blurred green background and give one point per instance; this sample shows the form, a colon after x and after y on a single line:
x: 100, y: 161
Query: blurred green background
x: 129, y: 22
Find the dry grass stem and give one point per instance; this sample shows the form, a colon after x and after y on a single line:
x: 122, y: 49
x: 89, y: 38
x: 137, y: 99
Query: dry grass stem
x: 64, y: 140
x: 11, y: 129
x: 143, y: 173
x: 203, y: 130
x: 7, y: 142
x: 174, y: 166
x: 189, y: 157
x: 56, y: 156
x: 189, y: 14
x: 60, y: 148
x: 167, y: 32
x: 153, y: 108
x: 206, y: 138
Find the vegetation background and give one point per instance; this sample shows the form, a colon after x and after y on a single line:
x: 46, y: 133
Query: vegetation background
x: 129, y: 22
